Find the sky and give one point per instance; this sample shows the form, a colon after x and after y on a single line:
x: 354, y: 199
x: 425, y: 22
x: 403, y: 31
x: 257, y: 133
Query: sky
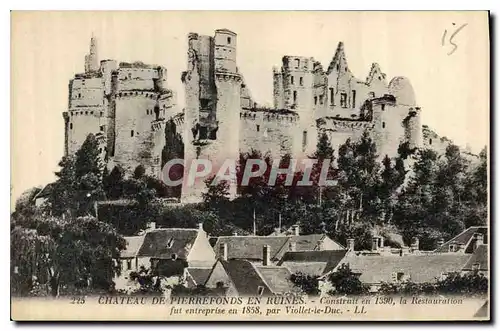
x: 48, y: 48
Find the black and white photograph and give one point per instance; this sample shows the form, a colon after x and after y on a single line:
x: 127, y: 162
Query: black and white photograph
x: 250, y: 166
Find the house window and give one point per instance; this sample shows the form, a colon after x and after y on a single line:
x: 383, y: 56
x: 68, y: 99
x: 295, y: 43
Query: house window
x: 304, y: 140
x: 321, y: 99
x: 353, y: 99
x: 258, y: 127
x: 383, y: 125
x: 101, y: 127
x: 400, y: 276
x: 130, y: 76
x: 332, y: 97
x: 79, y: 95
x: 430, y: 141
x: 260, y: 290
x: 100, y: 150
x: 383, y: 107
x: 291, y: 80
x: 71, y: 126
x: 301, y: 81
x: 372, y: 95
x: 228, y: 40
x: 294, y: 97
x: 203, y: 132
x: 338, y: 67
x: 297, y: 63
x: 129, y: 264
x: 343, y: 100
x: 315, y: 100
x: 174, y: 256
x: 131, y: 133
x: 453, y: 248
x: 170, y: 243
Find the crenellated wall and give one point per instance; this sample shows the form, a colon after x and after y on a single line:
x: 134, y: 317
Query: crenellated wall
x: 268, y: 131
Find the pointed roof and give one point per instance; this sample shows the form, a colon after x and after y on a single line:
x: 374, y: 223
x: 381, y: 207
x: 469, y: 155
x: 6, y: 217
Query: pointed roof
x: 464, y: 238
x: 338, y: 58
x: 163, y: 243
x: 375, y: 73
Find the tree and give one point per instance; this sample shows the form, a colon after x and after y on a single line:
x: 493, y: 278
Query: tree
x: 345, y: 281
x: 139, y: 171
x: 64, y: 251
x: 359, y: 177
x: 113, y: 183
x: 391, y: 178
x: 79, y: 184
x: 216, y: 193
x: 306, y: 283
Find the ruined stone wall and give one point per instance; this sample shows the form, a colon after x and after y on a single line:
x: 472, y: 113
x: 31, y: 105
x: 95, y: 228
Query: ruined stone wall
x: 297, y: 75
x: 389, y: 129
x: 134, y: 141
x: 86, y: 92
x: 137, y: 79
x: 339, y: 131
x: 267, y: 131
x: 278, y: 99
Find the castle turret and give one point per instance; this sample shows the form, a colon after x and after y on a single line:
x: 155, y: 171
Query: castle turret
x: 91, y: 59
x: 213, y: 105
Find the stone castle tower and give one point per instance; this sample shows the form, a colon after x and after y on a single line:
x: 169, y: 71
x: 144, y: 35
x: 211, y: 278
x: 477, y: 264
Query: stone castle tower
x: 127, y: 105
x: 213, y: 104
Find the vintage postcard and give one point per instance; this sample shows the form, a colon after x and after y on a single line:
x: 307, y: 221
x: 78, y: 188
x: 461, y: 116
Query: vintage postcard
x: 250, y: 166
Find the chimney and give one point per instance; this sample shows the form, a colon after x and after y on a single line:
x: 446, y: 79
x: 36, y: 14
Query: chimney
x: 200, y: 226
x: 479, y: 240
x: 381, y: 242
x: 235, y: 234
x: 440, y: 242
x: 296, y: 230
x: 415, y: 244
x: 374, y: 244
x: 223, y: 251
x: 266, y: 255
x: 350, y: 245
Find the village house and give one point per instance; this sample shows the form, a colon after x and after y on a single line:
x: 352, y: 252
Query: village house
x: 465, y: 242
x: 250, y: 247
x: 168, y: 251
x: 244, y: 278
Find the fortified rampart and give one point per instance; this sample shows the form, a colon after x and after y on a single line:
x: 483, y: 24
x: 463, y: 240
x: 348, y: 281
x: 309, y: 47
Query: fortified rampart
x: 127, y: 106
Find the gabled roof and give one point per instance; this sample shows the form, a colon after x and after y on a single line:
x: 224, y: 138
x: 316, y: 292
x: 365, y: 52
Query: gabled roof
x: 480, y: 256
x: 245, y: 278
x: 420, y: 268
x: 133, y: 245
x: 199, y: 275
x: 249, y: 247
x: 313, y: 262
x: 277, y: 278
x: 337, y: 58
x: 163, y: 243
x: 464, y: 238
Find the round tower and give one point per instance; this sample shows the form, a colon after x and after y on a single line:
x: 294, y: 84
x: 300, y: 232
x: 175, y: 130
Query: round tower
x: 225, y: 51
x: 228, y: 107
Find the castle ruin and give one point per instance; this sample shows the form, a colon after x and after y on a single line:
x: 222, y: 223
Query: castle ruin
x: 126, y: 105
